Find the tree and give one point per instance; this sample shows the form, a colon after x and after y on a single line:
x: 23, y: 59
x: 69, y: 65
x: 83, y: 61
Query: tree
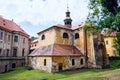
x: 117, y: 44
x: 106, y: 14
x: 33, y: 38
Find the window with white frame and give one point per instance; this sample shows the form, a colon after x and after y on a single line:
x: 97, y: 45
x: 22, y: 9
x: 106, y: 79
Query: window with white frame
x: 1, y: 35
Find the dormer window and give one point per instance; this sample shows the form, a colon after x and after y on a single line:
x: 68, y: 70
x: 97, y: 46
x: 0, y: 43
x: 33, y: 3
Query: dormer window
x: 65, y: 35
x: 43, y: 37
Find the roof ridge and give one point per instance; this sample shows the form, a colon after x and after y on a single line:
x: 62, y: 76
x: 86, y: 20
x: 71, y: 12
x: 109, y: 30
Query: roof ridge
x: 52, y: 48
x: 12, y: 26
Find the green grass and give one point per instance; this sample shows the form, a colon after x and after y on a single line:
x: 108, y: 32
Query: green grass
x: 82, y: 74
x: 115, y: 63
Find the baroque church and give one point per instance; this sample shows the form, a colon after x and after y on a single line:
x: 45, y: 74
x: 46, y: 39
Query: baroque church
x: 67, y: 47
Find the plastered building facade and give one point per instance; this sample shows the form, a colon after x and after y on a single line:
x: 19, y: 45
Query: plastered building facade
x: 14, y: 45
x: 109, y: 39
x: 67, y: 47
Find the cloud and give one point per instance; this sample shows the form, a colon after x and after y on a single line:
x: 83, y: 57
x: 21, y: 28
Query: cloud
x: 43, y: 12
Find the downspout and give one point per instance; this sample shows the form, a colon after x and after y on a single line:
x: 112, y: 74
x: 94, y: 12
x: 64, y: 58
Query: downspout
x: 86, y: 54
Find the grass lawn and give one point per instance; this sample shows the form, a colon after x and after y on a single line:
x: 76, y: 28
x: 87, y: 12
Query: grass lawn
x: 115, y: 63
x: 82, y: 74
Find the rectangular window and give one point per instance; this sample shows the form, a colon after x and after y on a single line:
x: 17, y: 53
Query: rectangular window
x: 0, y: 51
x: 14, y: 52
x: 8, y: 37
x: 22, y: 64
x: 5, y: 68
x: 15, y: 38
x: 44, y: 62
x: 7, y: 53
x: 73, y: 62
x: 106, y: 42
x: 23, y: 40
x: 23, y: 51
x: 1, y: 35
x: 13, y: 65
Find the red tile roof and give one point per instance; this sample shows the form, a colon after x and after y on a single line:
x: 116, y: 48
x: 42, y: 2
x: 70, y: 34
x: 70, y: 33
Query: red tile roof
x: 71, y: 28
x: 34, y: 41
x: 111, y: 34
x: 56, y: 50
x: 11, y: 26
x: 65, y: 27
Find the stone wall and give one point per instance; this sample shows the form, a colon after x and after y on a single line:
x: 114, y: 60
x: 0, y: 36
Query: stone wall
x: 52, y: 63
x: 38, y: 63
x: 49, y: 37
x: 67, y: 63
x: 7, y: 44
x: 9, y: 64
x: 59, y: 36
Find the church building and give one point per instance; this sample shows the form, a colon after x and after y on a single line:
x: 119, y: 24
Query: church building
x: 67, y: 47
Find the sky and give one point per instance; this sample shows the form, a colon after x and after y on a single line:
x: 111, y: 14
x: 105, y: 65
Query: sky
x: 36, y: 15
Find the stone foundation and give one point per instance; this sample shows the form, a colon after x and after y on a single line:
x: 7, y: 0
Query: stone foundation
x: 9, y: 64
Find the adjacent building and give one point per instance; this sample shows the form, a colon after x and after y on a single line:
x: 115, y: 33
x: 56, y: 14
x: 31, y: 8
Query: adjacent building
x: 67, y: 47
x: 33, y: 45
x: 109, y: 39
x: 14, y: 45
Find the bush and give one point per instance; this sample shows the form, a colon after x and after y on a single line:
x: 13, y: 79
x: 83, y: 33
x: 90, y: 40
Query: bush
x: 114, y: 58
x: 29, y: 68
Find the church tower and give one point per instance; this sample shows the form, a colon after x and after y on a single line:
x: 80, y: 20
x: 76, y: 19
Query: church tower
x: 68, y: 20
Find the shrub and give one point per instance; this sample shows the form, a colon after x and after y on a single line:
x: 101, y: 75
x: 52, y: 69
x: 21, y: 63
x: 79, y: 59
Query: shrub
x: 114, y: 58
x: 29, y: 68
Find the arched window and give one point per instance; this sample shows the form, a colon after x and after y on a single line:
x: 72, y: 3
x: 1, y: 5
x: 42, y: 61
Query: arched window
x: 43, y: 37
x: 81, y: 61
x: 73, y: 62
x: 106, y: 42
x: 76, y: 35
x: 65, y: 35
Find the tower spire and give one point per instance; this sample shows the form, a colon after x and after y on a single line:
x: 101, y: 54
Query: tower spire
x: 68, y: 20
x: 67, y: 7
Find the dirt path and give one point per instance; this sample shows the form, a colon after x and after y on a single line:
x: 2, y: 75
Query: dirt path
x: 109, y: 76
x: 113, y: 76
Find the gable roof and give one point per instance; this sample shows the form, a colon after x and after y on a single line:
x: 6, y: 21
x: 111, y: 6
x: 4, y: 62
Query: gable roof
x: 11, y: 26
x: 64, y: 27
x: 56, y: 50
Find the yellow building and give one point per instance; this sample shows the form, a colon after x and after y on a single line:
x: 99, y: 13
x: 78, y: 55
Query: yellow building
x: 66, y: 47
x: 109, y: 42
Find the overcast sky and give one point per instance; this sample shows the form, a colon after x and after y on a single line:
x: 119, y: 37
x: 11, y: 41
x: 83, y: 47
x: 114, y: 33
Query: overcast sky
x: 36, y: 15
